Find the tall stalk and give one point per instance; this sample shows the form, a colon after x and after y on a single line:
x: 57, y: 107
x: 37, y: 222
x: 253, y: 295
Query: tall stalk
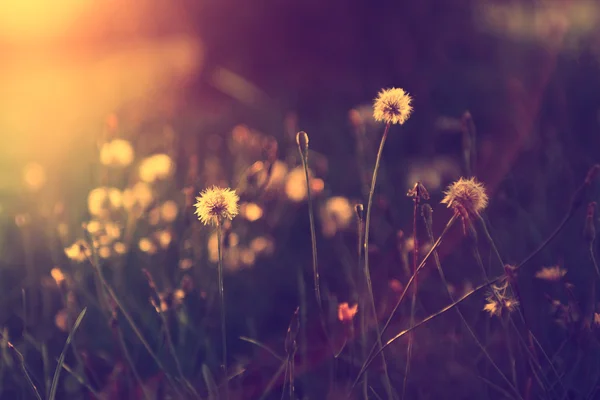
x: 222, y: 304
x: 302, y: 141
x: 367, y: 271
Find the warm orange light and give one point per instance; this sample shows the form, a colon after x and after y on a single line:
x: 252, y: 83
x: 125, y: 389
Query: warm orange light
x: 38, y: 18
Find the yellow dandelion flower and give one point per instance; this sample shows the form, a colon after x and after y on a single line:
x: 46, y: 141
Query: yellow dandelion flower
x: 554, y: 273
x: 97, y: 200
x: 104, y: 252
x: 164, y: 238
x: 153, y: 168
x: 295, y: 184
x: 216, y: 204
x: 392, y: 106
x: 147, y: 246
x: 57, y: 275
x: 466, y: 196
x: 93, y: 227
x: 78, y: 251
x: 117, y: 153
x: 120, y: 248
x: 168, y: 211
x: 34, y: 176
x: 251, y: 211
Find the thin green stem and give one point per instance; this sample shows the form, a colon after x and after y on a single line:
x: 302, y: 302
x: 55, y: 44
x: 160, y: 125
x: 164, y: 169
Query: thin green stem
x: 222, y: 305
x: 61, y: 359
x: 134, y: 371
x: 593, y: 258
x: 531, y: 350
x: 25, y: 371
x: 134, y: 326
x: 369, y: 359
x: 363, y: 317
x: 462, y: 317
x: 313, y: 235
x: 440, y: 312
x: 414, y: 292
x: 366, y: 251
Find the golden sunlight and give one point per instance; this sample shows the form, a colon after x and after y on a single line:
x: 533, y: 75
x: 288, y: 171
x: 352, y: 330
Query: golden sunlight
x: 67, y: 64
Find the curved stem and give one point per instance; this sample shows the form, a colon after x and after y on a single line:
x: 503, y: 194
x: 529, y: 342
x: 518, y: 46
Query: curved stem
x: 366, y: 251
x: 466, y: 324
x: 408, y: 284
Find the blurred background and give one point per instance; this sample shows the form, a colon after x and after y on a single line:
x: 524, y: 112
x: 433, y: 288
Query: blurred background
x: 115, y: 114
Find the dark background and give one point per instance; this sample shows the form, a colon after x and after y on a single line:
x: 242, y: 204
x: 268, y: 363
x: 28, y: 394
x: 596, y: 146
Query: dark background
x: 528, y: 73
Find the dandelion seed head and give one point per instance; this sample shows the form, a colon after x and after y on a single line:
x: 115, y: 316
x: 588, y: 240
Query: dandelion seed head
x: 216, y: 204
x: 466, y: 196
x: 497, y: 303
x: 392, y: 106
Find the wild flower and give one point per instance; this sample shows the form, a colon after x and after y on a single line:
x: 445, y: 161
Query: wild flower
x: 78, y: 251
x: 346, y: 313
x: 116, y: 153
x: 466, y: 196
x: 392, y: 106
x: 251, y: 211
x: 57, y: 275
x: 496, y: 304
x: 34, y: 176
x: 168, y: 211
x: 499, y: 300
x: 216, y: 204
x: 554, y: 273
x: 155, y: 167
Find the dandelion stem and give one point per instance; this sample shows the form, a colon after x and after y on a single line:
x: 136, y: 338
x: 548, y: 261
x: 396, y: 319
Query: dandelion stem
x: 133, y: 325
x: 514, y: 285
x: 576, y: 202
x: 460, y: 314
x: 437, y: 314
x: 313, y: 237
x: 222, y: 304
x: 24, y: 368
x: 414, y: 291
x: 363, y: 319
x: 594, y: 261
x: 369, y: 359
x: 134, y: 371
x: 366, y: 250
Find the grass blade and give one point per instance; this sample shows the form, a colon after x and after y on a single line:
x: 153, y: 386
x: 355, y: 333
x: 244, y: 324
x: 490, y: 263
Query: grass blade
x: 61, y: 359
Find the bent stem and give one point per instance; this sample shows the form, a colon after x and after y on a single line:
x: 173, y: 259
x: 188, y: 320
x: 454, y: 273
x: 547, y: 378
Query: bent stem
x: 133, y: 325
x: 366, y: 251
x: 369, y: 359
x: 437, y: 314
x: 461, y: 315
x: 222, y: 304
x: 531, y: 345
